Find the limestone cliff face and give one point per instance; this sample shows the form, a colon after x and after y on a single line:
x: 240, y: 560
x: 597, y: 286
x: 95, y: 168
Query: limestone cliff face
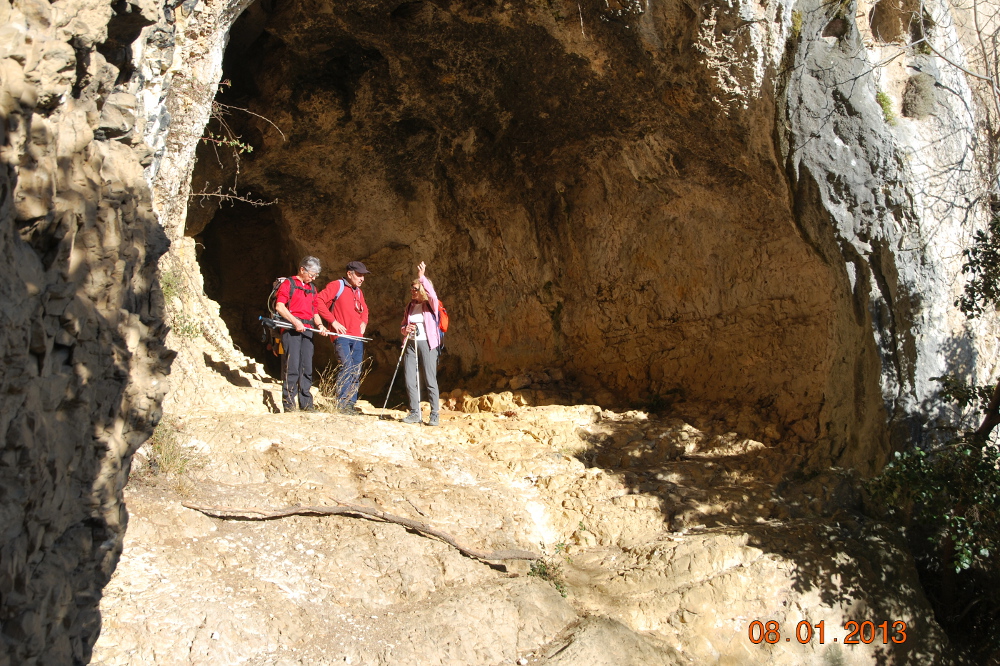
x: 658, y: 199
x: 605, y: 199
x: 888, y: 197
x: 82, y: 325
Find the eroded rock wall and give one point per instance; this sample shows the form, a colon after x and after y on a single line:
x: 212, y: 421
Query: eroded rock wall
x: 209, y: 371
x: 888, y: 192
x: 82, y: 324
x: 605, y: 199
x: 659, y: 200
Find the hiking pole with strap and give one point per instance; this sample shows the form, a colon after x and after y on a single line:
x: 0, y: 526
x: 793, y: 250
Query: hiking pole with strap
x: 277, y: 323
x: 416, y: 364
x: 405, y: 342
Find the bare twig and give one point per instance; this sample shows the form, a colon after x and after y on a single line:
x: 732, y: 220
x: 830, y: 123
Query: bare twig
x: 953, y: 63
x: 363, y: 511
x: 264, y: 118
x: 986, y: 57
x: 230, y: 139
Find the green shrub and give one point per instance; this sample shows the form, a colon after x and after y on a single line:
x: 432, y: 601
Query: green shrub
x: 549, y: 569
x: 886, y: 103
x: 796, y: 25
x: 982, y: 270
x: 953, y: 495
x: 170, y: 285
x: 947, y: 499
x: 185, y: 326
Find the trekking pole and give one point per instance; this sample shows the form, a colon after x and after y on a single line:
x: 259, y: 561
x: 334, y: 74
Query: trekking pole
x: 416, y: 364
x: 277, y: 323
x: 405, y: 342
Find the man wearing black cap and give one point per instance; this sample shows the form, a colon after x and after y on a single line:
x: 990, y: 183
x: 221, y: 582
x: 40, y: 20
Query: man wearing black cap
x: 342, y: 303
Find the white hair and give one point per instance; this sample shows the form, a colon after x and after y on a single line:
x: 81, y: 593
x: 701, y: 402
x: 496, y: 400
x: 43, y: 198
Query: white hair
x: 311, y: 264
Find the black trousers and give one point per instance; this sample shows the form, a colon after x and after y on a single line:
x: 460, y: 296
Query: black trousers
x: 297, y: 369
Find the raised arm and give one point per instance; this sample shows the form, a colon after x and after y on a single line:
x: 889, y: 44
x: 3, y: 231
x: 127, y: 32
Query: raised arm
x: 428, y: 287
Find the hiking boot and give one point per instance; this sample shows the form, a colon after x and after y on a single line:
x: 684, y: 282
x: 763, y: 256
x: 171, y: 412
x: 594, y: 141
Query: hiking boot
x: 412, y: 417
x: 434, y: 420
x: 289, y: 409
x: 310, y: 408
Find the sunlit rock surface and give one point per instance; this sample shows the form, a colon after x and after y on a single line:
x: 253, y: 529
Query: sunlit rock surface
x: 668, y: 541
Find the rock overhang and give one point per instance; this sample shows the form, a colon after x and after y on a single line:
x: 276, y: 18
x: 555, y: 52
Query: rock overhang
x: 584, y: 199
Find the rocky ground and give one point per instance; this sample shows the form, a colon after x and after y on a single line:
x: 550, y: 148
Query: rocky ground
x: 659, y: 543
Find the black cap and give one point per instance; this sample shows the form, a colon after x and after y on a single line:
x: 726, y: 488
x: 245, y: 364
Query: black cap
x: 357, y: 267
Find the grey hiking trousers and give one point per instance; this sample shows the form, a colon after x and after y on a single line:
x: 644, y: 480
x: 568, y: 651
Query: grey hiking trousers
x: 428, y: 372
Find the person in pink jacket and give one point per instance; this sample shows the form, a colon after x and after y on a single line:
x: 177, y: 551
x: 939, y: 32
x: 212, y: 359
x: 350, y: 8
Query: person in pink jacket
x: 422, y: 340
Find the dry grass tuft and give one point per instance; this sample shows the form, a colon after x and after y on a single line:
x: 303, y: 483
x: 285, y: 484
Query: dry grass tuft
x: 165, y: 456
x: 329, y: 384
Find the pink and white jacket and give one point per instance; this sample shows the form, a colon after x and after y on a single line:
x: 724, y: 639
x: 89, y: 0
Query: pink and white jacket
x: 429, y: 309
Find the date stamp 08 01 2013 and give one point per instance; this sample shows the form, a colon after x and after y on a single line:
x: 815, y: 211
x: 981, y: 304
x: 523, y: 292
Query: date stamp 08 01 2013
x: 857, y: 632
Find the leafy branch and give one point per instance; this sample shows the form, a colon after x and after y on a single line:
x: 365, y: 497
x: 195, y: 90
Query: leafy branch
x: 230, y: 194
x: 982, y: 268
x: 953, y: 494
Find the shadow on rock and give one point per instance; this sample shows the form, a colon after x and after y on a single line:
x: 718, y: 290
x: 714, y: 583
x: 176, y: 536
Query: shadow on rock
x: 758, y: 510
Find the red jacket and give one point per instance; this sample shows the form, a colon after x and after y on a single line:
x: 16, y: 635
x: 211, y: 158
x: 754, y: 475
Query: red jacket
x: 303, y: 301
x: 350, y: 309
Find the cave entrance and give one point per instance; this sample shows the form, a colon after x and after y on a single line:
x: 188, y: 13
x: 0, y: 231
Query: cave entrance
x: 598, y: 229
x: 240, y: 248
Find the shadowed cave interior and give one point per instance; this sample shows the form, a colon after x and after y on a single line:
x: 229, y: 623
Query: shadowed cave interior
x: 582, y: 205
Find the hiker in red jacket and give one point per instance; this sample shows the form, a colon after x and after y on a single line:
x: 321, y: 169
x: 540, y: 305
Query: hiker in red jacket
x: 342, y: 303
x: 296, y: 303
x: 422, y: 344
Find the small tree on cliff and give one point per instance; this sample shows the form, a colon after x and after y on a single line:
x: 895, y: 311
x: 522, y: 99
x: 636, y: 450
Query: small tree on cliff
x: 982, y: 294
x: 948, y: 497
x: 220, y: 134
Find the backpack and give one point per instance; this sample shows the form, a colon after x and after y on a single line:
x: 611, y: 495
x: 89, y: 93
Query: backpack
x: 340, y: 290
x: 272, y: 300
x: 442, y: 320
x: 272, y: 336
